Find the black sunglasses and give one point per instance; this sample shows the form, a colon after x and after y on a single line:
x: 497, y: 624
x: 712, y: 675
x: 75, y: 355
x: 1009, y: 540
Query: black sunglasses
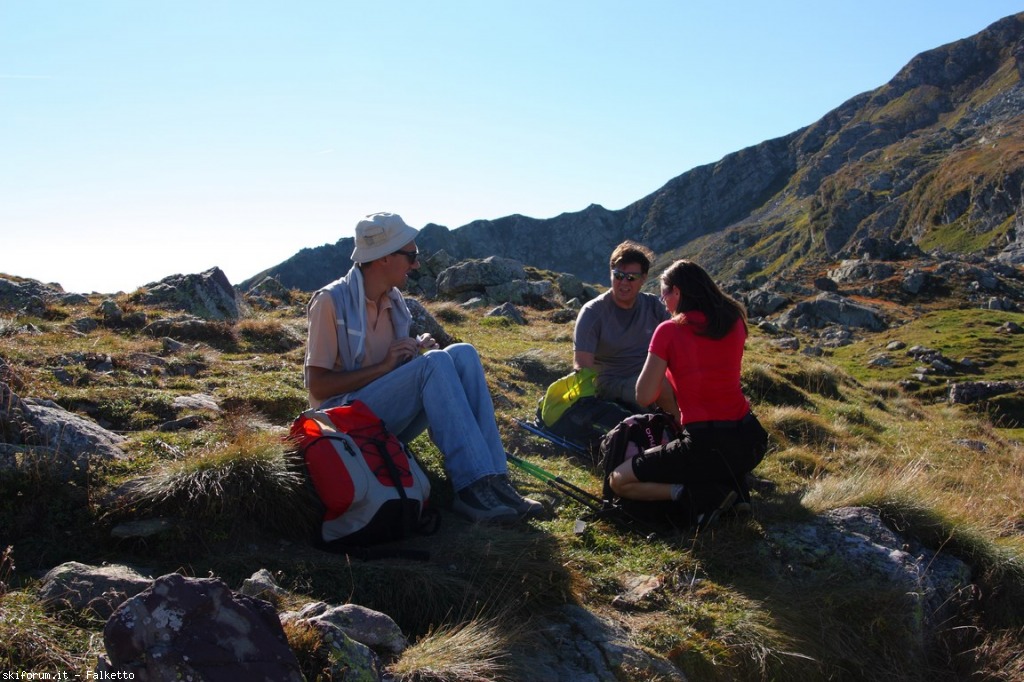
x: 413, y: 256
x: 628, y: 276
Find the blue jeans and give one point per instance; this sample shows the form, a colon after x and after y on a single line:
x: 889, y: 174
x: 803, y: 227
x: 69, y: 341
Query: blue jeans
x: 446, y: 391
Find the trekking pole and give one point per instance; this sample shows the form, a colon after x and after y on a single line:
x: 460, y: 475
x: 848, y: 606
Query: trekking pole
x: 600, y: 509
x: 585, y: 498
x: 549, y: 436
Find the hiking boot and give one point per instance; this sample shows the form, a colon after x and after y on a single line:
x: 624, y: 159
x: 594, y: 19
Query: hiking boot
x: 479, y: 503
x: 509, y: 496
x: 709, y: 519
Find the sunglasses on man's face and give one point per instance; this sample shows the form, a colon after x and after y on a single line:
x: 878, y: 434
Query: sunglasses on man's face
x: 411, y: 255
x: 628, y: 276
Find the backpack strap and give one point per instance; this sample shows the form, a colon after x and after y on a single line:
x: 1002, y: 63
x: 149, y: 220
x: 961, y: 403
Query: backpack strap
x: 396, y: 475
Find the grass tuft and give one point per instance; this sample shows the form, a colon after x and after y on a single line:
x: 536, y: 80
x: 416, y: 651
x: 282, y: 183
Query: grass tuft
x: 449, y: 313
x: 998, y: 657
x: 475, y: 651
x: 310, y: 649
x: 820, y: 378
x: 247, y: 480
x: 31, y: 639
x: 796, y: 426
x: 540, y: 367
x: 268, y: 335
x: 765, y: 385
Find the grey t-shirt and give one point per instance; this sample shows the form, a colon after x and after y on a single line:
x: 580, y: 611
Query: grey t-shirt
x: 618, y: 338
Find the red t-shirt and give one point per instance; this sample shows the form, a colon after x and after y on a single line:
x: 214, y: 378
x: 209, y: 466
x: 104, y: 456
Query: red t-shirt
x: 704, y: 372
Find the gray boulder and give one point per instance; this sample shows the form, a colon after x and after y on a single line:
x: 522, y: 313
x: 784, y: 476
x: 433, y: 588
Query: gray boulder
x: 20, y: 294
x: 507, y: 310
x: 366, y: 626
x: 100, y: 589
x: 111, y: 312
x: 262, y: 585
x: 15, y: 427
x: 576, y: 644
x: 914, y: 281
x: 196, y: 628
x: 350, y: 659
x: 764, y: 301
x: 477, y: 275
x: 787, y: 343
x: 828, y: 309
x: 271, y: 287
x: 569, y: 286
x: 854, y: 542
x: 520, y: 291
x: 202, y: 402
x: 967, y: 392
x: 424, y: 322
x: 826, y: 284
x: 208, y: 295
x: 75, y: 438
x: 861, y: 269
x: 188, y: 327
x: 1010, y: 327
x: 84, y: 325
x: 268, y: 294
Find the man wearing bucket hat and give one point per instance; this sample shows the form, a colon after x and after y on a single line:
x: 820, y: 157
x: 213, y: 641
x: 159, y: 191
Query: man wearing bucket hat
x: 359, y: 348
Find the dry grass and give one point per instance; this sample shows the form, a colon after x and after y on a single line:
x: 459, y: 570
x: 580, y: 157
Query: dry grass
x: 33, y: 640
x: 248, y: 479
x: 473, y: 651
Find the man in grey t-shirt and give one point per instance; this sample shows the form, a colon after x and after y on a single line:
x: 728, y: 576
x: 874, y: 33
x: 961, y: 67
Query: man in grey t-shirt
x: 613, y: 330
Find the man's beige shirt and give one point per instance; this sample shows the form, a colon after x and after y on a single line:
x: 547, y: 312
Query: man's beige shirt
x: 322, y: 348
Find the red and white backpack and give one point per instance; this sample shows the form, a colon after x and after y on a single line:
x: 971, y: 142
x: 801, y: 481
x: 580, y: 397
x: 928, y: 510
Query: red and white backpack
x: 372, y: 488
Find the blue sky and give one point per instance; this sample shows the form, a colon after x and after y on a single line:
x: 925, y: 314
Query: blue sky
x: 144, y: 138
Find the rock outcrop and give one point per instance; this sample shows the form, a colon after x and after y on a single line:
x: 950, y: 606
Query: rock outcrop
x: 854, y: 541
x: 197, y: 628
x: 208, y: 295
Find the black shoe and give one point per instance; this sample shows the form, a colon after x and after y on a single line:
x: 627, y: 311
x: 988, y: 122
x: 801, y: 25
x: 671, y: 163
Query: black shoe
x: 709, y: 518
x: 510, y: 497
x: 478, y: 502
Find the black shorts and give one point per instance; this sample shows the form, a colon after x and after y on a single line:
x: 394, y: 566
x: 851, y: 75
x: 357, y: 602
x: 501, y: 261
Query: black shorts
x: 712, y: 452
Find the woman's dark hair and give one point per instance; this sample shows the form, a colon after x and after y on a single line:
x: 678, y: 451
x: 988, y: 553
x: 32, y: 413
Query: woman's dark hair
x: 697, y: 291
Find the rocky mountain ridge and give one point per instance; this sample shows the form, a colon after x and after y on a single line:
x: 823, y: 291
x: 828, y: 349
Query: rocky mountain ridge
x: 934, y: 158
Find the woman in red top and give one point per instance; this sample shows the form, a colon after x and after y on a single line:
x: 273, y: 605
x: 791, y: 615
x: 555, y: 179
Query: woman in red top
x: 700, y: 351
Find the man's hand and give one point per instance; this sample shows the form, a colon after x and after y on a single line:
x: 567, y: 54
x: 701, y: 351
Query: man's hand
x: 399, y: 352
x: 426, y: 342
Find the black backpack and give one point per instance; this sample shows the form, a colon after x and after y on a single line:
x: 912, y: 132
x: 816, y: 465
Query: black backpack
x: 628, y: 438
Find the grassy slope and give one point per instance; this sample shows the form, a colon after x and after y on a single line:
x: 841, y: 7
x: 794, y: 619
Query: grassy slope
x: 843, y: 434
